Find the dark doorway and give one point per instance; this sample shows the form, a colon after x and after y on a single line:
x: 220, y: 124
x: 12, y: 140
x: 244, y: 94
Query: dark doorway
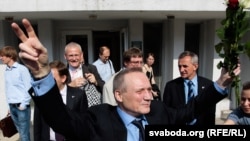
x: 192, y: 37
x: 110, y: 39
x: 152, y: 38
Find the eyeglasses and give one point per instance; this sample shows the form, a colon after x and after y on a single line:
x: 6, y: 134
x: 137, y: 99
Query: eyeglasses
x: 136, y: 62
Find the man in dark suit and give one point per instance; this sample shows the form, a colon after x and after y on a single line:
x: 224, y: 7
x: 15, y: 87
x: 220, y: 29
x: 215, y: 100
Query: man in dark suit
x: 74, y: 98
x: 83, y: 71
x: 176, y: 91
x: 104, y: 122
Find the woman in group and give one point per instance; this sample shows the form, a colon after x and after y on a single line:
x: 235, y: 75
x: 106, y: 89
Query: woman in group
x: 148, y: 70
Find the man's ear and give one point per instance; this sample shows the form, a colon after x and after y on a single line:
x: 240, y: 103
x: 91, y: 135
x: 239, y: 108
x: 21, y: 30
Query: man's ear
x: 118, y: 96
x: 65, y: 57
x: 196, y: 66
x: 82, y: 58
x: 63, y: 79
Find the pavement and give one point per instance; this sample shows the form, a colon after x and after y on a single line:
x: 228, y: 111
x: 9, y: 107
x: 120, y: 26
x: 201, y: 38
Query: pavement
x: 219, y: 121
x: 13, y: 138
x: 16, y: 136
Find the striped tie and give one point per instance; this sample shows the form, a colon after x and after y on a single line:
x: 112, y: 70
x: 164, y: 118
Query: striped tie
x: 190, y: 96
x: 190, y: 90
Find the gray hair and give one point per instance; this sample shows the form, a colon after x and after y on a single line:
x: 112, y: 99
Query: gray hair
x: 191, y: 54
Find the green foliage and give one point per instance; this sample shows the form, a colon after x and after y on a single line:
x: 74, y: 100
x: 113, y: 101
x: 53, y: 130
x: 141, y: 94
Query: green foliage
x: 232, y: 30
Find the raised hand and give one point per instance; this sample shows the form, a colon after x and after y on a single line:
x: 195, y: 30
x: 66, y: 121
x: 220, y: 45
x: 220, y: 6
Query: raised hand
x: 225, y: 79
x: 32, y: 53
x: 91, y: 78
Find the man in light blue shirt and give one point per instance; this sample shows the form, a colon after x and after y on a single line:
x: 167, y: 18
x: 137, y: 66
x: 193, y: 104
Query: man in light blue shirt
x: 103, y: 64
x: 17, y: 84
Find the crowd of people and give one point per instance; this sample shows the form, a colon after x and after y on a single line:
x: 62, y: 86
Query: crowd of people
x: 81, y: 101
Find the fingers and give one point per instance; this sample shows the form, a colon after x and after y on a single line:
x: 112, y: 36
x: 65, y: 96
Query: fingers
x: 31, y: 47
x: 87, y: 75
x: 74, y: 83
x: 25, y: 55
x: 237, y: 70
x: 90, y: 77
x: 78, y: 82
x: 29, y: 28
x: 19, y: 32
x: 27, y: 51
x: 82, y: 81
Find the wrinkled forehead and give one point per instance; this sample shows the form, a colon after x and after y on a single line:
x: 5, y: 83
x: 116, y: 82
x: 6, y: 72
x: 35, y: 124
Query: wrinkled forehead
x: 137, y: 82
x: 72, y: 49
x: 135, y: 77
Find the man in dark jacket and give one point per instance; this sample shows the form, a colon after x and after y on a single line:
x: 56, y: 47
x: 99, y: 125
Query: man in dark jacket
x: 176, y: 91
x: 75, y: 99
x: 82, y: 74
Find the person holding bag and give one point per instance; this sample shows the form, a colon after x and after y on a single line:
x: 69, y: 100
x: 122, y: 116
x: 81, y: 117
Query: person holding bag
x: 17, y: 84
x: 148, y: 70
x: 82, y: 74
x: 7, y: 126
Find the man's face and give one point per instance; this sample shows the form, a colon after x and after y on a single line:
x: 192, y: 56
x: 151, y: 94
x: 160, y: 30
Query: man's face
x: 134, y: 62
x: 186, y: 68
x: 245, y: 101
x: 137, y: 98
x: 105, y: 56
x: 5, y: 60
x: 74, y: 57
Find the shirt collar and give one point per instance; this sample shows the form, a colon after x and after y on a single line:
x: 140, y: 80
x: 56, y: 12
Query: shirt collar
x: 194, y: 80
x: 72, y: 69
x: 64, y: 91
x: 9, y: 68
x: 126, y: 118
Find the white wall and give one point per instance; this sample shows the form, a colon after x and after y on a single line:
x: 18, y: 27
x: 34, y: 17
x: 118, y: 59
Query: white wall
x: 4, y: 107
x: 89, y: 5
x: 178, y: 44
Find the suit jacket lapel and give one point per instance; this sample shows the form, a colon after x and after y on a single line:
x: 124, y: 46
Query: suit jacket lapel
x: 201, y: 85
x: 181, y: 91
x: 70, y: 97
x: 119, y: 128
x: 85, y: 69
